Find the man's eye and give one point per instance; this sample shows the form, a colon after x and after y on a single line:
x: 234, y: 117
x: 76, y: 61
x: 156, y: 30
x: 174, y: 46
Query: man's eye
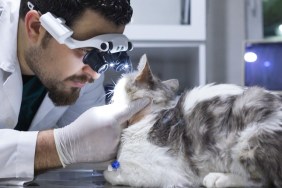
x: 85, y: 50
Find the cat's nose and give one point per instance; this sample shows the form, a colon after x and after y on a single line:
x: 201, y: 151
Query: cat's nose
x: 89, y: 71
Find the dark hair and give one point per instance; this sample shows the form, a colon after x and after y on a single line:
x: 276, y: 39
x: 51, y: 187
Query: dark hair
x: 116, y: 11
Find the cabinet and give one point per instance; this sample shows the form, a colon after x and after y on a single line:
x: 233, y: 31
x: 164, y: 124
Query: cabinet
x: 184, y: 61
x: 172, y: 33
x: 168, y: 20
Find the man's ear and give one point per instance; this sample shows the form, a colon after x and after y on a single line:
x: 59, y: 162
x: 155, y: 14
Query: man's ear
x: 32, y: 25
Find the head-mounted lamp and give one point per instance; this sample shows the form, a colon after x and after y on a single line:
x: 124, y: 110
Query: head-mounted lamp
x: 109, y: 50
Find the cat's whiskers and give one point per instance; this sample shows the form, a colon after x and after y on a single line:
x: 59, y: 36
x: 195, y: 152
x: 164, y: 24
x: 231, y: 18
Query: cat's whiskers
x: 110, y: 91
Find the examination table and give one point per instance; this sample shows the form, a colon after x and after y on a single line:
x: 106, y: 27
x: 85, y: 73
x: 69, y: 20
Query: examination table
x: 79, y: 175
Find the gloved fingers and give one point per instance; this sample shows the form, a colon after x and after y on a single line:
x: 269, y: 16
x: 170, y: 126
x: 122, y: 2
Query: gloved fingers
x: 94, y: 136
x: 138, y: 105
x: 133, y: 108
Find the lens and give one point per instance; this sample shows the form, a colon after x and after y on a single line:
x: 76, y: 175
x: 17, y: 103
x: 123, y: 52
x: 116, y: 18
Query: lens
x: 95, y: 60
x: 119, y: 61
x: 103, y: 68
x: 101, y: 61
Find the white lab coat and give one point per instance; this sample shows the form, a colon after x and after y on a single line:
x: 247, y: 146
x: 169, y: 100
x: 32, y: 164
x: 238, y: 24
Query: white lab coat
x: 17, y: 148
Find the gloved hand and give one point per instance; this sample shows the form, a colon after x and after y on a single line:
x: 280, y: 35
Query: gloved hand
x: 95, y: 135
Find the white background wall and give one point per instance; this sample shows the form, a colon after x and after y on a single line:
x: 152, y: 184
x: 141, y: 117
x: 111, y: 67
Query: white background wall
x: 229, y: 24
x: 164, y: 7
x: 226, y: 34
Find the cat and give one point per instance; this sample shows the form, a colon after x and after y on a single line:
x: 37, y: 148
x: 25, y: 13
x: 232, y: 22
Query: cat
x: 215, y: 135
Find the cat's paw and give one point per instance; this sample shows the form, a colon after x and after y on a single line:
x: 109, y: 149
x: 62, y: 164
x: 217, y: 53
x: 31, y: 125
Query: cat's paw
x: 218, y: 180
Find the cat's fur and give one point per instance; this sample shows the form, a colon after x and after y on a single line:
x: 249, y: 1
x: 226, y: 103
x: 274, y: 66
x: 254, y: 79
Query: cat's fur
x: 214, y: 135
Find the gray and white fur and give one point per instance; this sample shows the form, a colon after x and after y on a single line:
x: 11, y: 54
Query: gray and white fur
x: 213, y: 135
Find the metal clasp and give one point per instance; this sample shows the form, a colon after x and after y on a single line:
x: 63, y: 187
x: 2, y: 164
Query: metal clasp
x: 30, y: 5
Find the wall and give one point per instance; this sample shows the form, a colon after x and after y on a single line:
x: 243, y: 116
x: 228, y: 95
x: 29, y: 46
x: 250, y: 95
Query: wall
x: 225, y: 37
x: 163, y: 6
x: 226, y: 33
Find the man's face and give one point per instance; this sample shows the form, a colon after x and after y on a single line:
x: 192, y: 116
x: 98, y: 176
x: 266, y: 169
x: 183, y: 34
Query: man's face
x: 61, y: 69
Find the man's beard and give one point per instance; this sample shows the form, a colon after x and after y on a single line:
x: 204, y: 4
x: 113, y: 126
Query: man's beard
x: 62, y: 98
x: 58, y: 93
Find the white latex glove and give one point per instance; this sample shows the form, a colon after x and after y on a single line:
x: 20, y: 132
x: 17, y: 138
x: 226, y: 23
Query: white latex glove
x: 95, y: 135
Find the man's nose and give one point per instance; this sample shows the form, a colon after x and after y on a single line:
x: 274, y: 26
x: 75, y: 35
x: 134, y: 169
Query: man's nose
x: 89, y: 71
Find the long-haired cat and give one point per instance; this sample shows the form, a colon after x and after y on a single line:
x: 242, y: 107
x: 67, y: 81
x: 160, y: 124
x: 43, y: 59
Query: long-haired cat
x: 213, y: 135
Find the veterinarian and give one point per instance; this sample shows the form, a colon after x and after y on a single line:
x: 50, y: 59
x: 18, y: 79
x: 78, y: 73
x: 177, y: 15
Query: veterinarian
x: 52, y: 112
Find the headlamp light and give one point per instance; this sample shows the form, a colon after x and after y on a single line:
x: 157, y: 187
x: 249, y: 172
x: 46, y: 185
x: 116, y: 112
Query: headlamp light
x: 109, y: 50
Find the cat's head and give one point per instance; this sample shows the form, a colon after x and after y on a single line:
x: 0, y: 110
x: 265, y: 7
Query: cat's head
x: 142, y: 83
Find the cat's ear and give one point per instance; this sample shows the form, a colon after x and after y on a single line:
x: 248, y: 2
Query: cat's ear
x: 144, y: 71
x: 142, y: 62
x: 173, y: 84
